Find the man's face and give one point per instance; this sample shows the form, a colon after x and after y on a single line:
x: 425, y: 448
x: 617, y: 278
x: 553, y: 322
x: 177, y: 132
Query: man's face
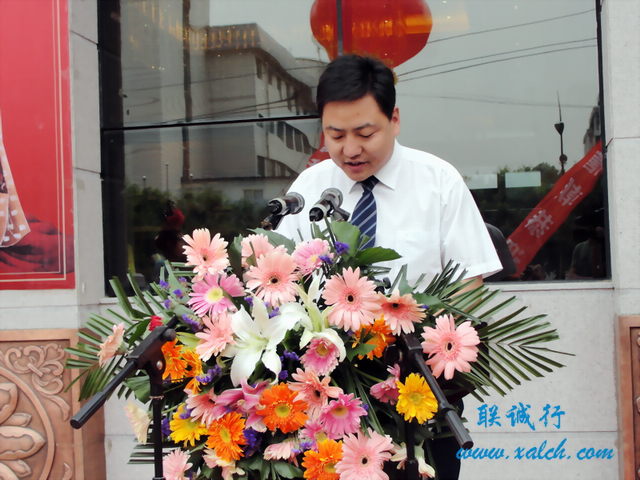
x: 358, y: 136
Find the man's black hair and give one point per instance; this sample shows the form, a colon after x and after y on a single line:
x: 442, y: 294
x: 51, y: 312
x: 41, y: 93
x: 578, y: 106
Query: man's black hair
x: 351, y: 77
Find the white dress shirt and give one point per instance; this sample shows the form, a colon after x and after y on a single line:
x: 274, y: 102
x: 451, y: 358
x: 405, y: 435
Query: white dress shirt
x: 425, y: 213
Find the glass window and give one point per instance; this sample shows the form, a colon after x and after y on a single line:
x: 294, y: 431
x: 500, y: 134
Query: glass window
x: 208, y: 108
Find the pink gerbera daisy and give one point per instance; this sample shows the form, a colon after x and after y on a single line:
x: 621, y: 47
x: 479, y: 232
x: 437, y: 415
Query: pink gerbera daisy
x: 387, y: 391
x: 321, y: 355
x: 285, y: 450
x: 206, y: 254
x: 355, y: 302
x: 363, y: 457
x: 307, y: 255
x: 256, y: 245
x: 312, y: 390
x: 175, y: 464
x: 210, y: 296
x: 315, y: 431
x: 217, y: 334
x: 203, y: 406
x: 342, y: 416
x: 401, y: 312
x: 273, y: 278
x: 449, y: 348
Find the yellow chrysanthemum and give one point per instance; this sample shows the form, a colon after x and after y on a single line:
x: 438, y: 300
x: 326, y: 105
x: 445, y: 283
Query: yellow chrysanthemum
x: 226, y: 435
x: 415, y: 399
x: 186, y: 429
x: 176, y: 365
x: 321, y: 465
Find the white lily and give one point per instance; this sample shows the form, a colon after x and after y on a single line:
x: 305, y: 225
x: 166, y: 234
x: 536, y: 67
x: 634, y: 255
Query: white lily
x: 259, y: 336
x: 317, y: 325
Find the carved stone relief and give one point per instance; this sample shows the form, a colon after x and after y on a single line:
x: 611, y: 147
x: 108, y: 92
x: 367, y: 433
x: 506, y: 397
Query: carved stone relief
x: 36, y: 440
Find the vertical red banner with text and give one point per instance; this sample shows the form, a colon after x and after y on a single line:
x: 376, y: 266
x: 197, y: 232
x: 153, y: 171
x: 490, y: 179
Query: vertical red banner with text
x: 36, y: 175
x: 554, y: 208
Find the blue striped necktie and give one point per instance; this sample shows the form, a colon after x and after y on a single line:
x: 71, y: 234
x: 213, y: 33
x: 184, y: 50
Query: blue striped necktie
x: 364, y: 216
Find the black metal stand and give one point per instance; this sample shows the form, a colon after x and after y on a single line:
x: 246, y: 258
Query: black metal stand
x: 412, y: 357
x: 272, y: 221
x: 148, y: 356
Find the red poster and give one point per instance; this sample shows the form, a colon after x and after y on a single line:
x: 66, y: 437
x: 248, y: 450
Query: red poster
x: 554, y: 208
x: 36, y: 188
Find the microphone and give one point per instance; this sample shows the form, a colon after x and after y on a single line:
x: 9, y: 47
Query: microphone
x: 330, y: 200
x: 291, y: 203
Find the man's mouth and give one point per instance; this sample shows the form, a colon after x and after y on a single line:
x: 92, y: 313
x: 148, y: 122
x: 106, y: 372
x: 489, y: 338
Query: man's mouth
x: 354, y: 164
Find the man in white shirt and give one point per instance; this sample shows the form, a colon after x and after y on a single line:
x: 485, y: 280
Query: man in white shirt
x: 424, y: 210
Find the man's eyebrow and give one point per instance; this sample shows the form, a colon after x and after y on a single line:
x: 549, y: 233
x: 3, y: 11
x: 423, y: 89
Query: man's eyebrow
x: 361, y: 127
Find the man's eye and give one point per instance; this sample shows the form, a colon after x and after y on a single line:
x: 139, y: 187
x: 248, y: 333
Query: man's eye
x: 367, y: 136
x: 337, y: 138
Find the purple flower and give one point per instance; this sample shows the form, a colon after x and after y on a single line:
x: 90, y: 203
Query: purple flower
x: 291, y: 356
x: 326, y: 259
x: 210, y: 375
x: 342, y: 248
x: 163, y: 284
x: 253, y: 439
x: 185, y: 414
x: 182, y: 280
x: 195, y: 325
x: 283, y: 375
x: 304, y: 446
x: 165, y: 426
x: 274, y: 312
x: 178, y: 293
x: 249, y: 300
x: 167, y: 303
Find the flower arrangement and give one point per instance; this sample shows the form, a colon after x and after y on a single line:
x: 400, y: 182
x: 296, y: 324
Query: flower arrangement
x: 283, y: 367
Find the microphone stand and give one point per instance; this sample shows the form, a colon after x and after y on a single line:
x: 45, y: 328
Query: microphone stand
x: 272, y: 221
x: 412, y: 355
x: 148, y: 356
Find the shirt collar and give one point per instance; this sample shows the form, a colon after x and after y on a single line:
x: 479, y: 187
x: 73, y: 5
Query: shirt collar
x: 388, y: 174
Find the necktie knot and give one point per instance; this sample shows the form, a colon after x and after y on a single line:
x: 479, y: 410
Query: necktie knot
x: 369, y: 183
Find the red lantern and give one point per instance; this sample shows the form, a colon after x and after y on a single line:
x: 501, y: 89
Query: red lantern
x: 392, y: 30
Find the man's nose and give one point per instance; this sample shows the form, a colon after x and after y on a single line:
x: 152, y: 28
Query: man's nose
x: 352, y: 147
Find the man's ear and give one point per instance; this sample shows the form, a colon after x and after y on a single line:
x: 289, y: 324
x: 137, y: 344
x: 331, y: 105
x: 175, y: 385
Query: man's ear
x: 395, y: 119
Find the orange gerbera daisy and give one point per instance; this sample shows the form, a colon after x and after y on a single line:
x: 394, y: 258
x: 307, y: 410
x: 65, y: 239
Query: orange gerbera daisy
x: 226, y: 434
x: 195, y: 369
x: 380, y: 336
x: 176, y: 365
x: 321, y: 465
x: 280, y: 409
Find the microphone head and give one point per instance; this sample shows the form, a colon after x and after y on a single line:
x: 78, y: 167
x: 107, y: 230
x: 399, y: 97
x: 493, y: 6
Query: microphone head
x: 291, y: 203
x: 334, y: 195
x: 318, y: 212
x: 298, y: 205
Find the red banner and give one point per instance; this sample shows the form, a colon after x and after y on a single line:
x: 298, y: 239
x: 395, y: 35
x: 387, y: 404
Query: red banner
x: 36, y: 175
x: 553, y: 210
